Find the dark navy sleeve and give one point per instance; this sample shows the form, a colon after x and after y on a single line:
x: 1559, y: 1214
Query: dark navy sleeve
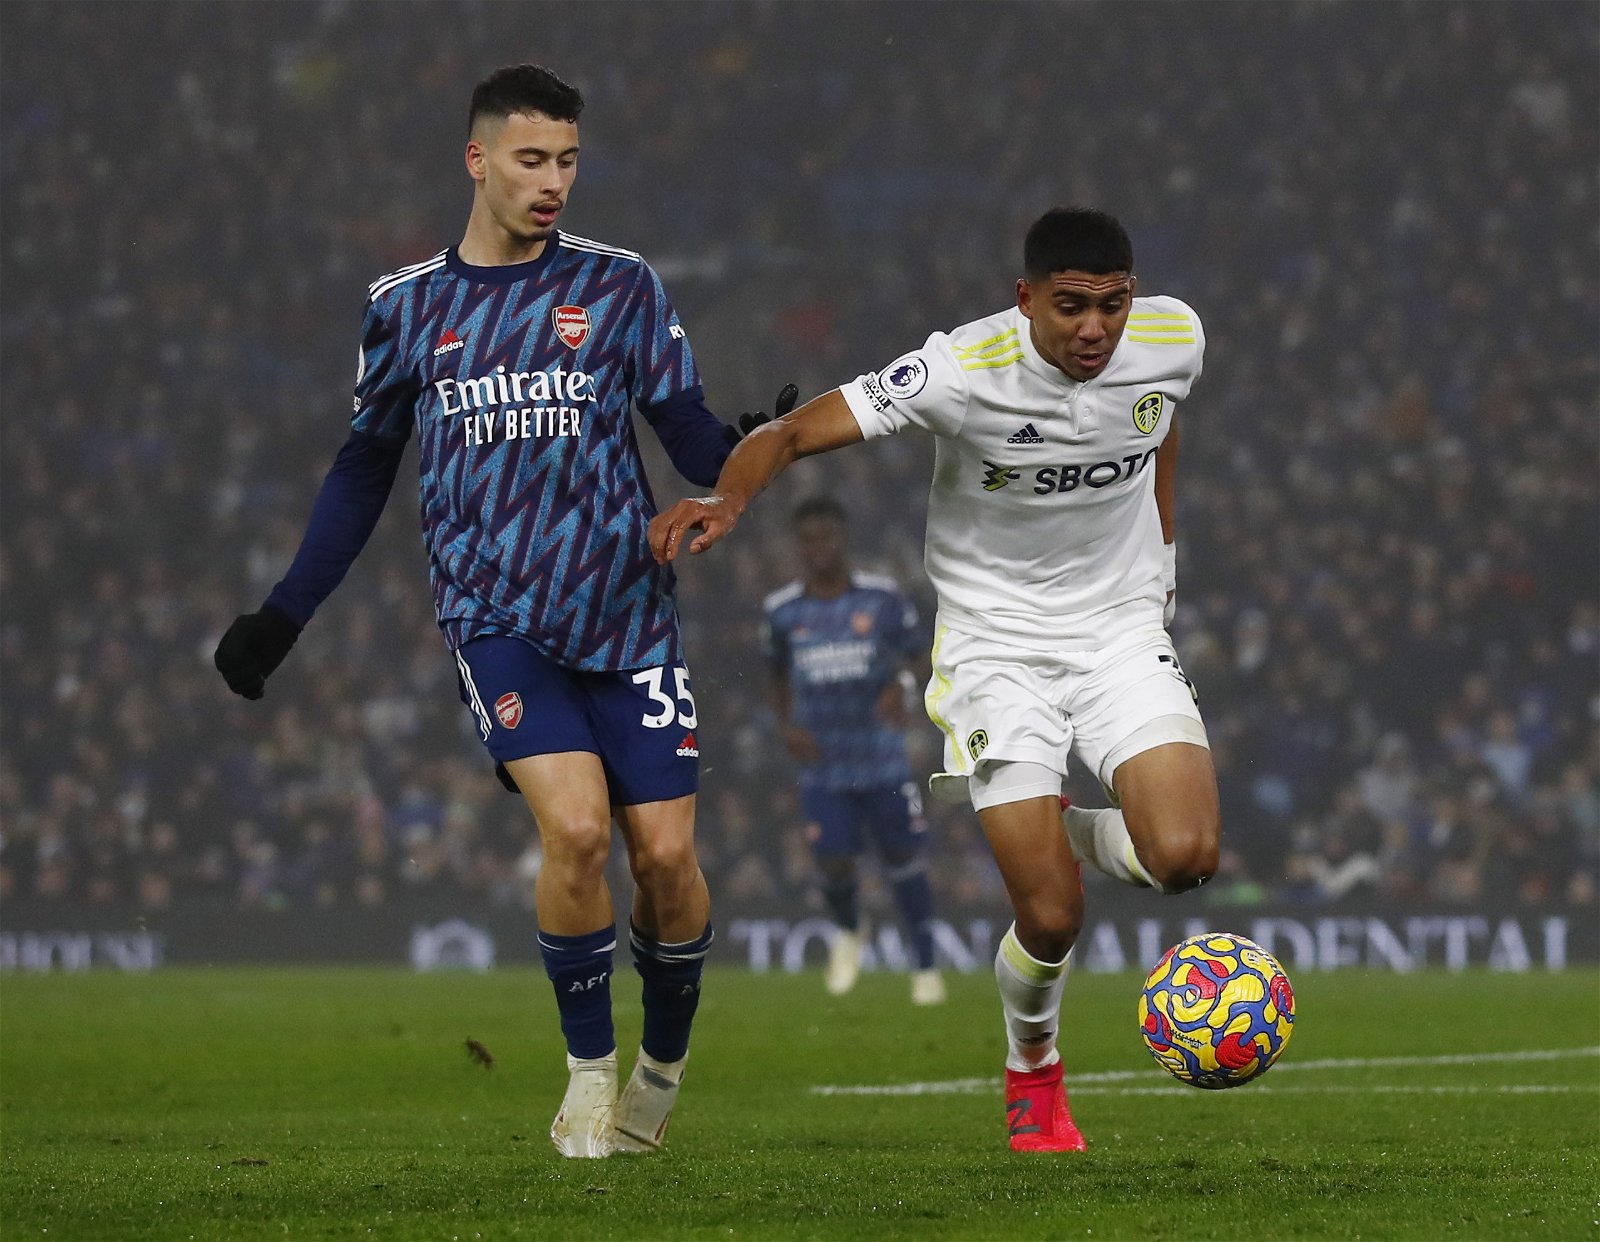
x: 347, y: 508
x: 696, y: 441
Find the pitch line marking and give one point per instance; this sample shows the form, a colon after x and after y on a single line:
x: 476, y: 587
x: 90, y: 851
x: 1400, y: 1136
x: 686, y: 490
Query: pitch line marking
x: 1082, y: 1082
x: 1274, y: 1089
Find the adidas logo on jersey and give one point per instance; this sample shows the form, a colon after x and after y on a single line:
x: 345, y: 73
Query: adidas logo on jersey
x: 448, y: 342
x: 688, y: 749
x: 1027, y: 435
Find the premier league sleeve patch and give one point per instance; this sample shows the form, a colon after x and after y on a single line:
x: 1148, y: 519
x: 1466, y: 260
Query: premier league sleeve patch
x: 922, y: 388
x: 876, y: 397
x: 904, y: 378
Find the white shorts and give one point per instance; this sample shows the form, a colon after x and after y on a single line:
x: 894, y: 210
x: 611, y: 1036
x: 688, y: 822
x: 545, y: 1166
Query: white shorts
x: 995, y: 700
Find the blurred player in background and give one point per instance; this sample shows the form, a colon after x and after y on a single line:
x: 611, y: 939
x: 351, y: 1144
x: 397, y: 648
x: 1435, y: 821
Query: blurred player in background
x: 1051, y: 545
x: 841, y: 645
x: 516, y: 356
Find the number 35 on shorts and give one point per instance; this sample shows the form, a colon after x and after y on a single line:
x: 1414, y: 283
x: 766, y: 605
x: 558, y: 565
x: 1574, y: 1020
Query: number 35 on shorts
x: 669, y: 705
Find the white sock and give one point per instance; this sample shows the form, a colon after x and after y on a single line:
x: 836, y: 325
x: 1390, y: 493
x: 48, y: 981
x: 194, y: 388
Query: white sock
x: 672, y: 1071
x: 1100, y: 838
x: 1030, y: 995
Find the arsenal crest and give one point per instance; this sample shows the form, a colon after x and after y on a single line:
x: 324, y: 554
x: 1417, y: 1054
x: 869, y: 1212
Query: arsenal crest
x: 508, y: 707
x: 572, y: 325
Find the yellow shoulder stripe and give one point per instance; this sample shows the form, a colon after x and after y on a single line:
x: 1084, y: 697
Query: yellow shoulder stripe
x: 1002, y: 344
x: 997, y: 351
x: 980, y: 364
x: 1161, y: 328
x: 965, y: 351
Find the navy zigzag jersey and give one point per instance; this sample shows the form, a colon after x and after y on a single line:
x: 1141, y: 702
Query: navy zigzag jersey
x: 838, y: 655
x: 518, y: 381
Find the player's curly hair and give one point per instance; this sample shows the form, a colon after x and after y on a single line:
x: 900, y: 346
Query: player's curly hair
x: 524, y: 88
x: 1076, y: 239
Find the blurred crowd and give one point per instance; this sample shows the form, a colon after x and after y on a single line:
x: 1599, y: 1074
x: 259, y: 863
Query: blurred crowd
x: 1389, y: 587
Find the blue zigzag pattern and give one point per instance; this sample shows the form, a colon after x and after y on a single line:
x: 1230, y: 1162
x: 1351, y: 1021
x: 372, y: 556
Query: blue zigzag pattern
x: 543, y: 537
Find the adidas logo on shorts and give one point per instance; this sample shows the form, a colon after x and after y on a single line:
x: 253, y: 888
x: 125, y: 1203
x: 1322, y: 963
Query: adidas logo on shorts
x: 1027, y: 435
x: 688, y: 748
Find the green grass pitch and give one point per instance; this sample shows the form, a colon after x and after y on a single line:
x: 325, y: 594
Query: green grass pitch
x: 343, y: 1104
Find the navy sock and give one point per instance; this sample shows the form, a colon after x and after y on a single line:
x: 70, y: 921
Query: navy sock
x: 671, y: 974
x: 839, y: 895
x: 915, y: 899
x: 580, y: 969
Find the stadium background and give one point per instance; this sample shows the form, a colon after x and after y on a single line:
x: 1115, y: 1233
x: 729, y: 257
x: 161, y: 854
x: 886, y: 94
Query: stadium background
x: 1389, y: 588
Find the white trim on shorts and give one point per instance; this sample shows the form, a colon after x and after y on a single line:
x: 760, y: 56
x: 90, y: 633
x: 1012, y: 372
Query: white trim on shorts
x: 996, y: 782
x: 1161, y: 731
x: 485, y: 725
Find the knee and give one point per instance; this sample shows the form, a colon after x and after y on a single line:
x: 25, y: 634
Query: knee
x: 579, y: 845
x: 1048, y: 927
x: 665, y: 862
x: 1185, y: 859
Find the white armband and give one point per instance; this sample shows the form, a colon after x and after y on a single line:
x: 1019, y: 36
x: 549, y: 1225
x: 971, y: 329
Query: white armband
x: 1169, y: 566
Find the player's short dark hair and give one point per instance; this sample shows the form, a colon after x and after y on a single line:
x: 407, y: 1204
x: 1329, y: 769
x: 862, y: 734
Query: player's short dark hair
x: 1076, y: 239
x: 524, y: 88
x: 820, y: 507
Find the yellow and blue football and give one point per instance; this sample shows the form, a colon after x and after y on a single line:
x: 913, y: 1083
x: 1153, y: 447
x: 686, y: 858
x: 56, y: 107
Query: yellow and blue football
x: 1216, y: 1011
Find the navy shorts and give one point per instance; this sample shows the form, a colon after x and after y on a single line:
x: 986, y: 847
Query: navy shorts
x: 844, y: 820
x: 641, y: 722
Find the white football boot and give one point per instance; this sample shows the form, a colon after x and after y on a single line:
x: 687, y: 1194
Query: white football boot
x: 844, y: 962
x: 641, y: 1116
x: 927, y: 987
x: 582, y: 1128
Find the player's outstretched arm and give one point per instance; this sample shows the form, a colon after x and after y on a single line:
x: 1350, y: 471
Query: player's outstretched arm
x: 697, y: 442
x: 748, y: 422
x: 818, y: 426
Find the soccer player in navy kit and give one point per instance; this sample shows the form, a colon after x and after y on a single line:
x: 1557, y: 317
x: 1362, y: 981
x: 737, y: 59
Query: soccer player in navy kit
x: 841, y: 644
x: 515, y: 356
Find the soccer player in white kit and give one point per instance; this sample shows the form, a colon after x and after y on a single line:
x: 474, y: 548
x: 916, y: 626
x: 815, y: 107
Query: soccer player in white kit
x: 1051, y: 544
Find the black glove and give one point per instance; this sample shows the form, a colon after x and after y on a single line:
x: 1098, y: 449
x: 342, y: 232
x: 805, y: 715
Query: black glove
x: 749, y: 422
x: 253, y: 647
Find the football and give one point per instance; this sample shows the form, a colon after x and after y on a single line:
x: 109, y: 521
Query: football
x: 1216, y: 1011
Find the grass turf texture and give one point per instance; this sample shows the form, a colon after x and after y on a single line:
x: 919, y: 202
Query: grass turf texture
x: 344, y: 1104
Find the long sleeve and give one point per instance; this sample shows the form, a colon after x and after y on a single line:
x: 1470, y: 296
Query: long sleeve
x: 347, y: 509
x: 697, y: 442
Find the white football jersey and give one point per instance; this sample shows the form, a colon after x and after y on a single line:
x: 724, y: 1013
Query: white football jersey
x: 1042, y: 520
